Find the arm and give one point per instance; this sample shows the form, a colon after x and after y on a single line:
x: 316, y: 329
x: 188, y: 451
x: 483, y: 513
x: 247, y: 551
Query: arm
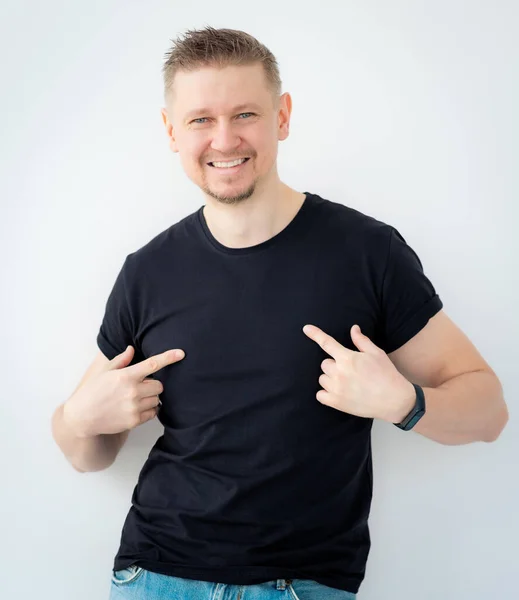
x: 463, y: 396
x: 86, y: 453
x: 467, y: 408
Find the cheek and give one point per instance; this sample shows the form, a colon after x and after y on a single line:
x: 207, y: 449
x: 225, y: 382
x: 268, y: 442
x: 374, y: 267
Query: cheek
x: 192, y: 153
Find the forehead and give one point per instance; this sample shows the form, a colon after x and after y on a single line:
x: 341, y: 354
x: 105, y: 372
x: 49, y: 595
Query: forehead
x: 220, y: 90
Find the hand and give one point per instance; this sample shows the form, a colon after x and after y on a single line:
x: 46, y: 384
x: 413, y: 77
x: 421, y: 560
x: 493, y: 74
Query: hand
x: 365, y: 383
x: 119, y: 397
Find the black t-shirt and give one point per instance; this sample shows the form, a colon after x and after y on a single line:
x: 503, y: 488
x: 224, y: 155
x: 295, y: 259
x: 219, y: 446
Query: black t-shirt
x: 254, y: 479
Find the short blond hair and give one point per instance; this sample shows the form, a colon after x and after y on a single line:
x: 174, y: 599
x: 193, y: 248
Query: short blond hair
x: 219, y: 48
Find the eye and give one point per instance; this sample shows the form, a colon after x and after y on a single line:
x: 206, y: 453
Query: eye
x: 197, y: 121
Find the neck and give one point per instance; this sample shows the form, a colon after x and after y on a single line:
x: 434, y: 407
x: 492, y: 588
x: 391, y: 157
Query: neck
x: 254, y: 220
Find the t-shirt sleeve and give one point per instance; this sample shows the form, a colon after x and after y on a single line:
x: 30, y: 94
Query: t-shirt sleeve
x: 408, y: 298
x: 117, y: 330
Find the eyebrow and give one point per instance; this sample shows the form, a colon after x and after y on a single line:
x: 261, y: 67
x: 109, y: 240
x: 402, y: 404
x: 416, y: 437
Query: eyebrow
x: 198, y: 111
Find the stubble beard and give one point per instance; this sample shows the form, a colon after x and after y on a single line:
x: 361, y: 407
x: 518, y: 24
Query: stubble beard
x: 230, y: 199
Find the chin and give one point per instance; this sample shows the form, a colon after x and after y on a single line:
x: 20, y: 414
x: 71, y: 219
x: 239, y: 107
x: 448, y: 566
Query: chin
x: 230, y: 197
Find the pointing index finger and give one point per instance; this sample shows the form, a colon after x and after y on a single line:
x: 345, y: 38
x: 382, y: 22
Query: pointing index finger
x: 155, y: 363
x: 329, y: 344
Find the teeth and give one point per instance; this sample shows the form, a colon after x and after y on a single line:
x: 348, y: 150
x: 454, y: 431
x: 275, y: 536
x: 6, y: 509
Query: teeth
x: 225, y: 165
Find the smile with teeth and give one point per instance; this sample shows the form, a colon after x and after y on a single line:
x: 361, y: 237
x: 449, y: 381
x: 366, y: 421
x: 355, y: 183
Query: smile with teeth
x: 228, y: 165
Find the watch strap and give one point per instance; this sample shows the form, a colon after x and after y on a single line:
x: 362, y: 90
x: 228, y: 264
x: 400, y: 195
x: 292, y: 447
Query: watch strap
x: 417, y: 412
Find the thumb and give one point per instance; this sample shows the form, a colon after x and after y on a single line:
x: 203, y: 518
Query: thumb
x: 122, y: 360
x: 363, y: 343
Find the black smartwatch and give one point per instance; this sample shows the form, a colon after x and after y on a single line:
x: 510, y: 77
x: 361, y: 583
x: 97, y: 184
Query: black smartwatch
x: 417, y: 412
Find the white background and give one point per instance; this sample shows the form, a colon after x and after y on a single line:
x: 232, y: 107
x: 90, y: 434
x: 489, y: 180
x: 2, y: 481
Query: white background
x: 404, y: 110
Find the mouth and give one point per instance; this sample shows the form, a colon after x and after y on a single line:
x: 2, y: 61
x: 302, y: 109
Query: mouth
x: 233, y: 169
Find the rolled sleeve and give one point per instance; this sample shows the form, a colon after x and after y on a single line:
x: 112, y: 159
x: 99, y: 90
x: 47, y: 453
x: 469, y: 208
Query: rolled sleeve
x: 408, y: 298
x: 117, y: 330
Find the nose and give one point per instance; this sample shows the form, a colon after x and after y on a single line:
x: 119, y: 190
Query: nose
x: 225, y: 139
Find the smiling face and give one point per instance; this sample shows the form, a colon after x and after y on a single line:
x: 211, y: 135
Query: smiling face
x: 223, y: 114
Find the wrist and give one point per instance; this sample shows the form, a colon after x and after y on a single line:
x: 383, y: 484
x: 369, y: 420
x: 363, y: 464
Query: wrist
x: 405, y: 404
x: 73, y: 423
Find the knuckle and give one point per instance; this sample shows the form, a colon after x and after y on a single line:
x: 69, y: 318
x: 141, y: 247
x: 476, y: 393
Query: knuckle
x: 327, y: 362
x: 147, y: 415
x: 134, y: 420
x: 134, y: 413
x: 135, y: 406
x: 153, y: 363
x: 131, y: 395
x: 120, y: 380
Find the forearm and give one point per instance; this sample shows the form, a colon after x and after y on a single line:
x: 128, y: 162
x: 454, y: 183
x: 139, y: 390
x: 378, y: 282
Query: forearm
x: 467, y: 408
x: 84, y: 453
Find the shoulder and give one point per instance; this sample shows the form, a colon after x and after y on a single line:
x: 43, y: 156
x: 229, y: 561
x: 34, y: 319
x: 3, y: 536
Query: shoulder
x: 161, y: 248
x: 356, y: 228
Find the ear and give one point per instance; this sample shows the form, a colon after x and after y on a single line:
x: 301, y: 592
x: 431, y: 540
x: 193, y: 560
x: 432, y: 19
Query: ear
x: 285, y: 109
x: 169, y: 130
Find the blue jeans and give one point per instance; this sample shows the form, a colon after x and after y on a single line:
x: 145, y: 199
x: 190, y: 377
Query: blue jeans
x: 136, y: 583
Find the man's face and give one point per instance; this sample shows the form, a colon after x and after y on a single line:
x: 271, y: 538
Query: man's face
x: 221, y: 115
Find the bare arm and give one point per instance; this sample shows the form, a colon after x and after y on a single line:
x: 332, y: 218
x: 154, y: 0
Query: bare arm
x: 84, y: 453
x: 463, y: 396
x: 467, y: 408
x: 112, y: 398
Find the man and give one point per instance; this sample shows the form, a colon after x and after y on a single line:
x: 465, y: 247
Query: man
x: 299, y: 321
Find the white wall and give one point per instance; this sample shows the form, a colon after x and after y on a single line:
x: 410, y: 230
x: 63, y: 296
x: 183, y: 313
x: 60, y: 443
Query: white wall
x: 404, y: 110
